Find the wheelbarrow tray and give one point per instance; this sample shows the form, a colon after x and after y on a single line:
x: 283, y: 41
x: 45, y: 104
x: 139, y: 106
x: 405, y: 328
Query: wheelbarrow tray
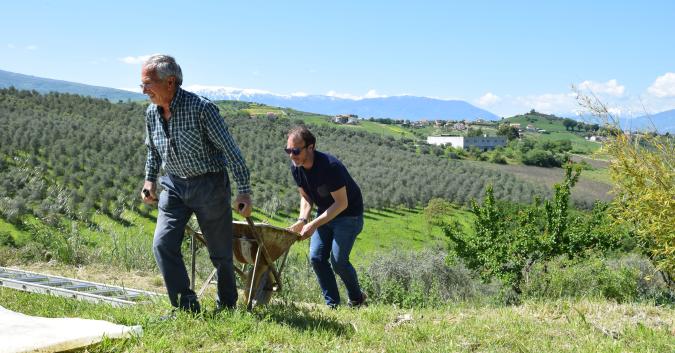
x: 263, y: 278
x: 276, y: 240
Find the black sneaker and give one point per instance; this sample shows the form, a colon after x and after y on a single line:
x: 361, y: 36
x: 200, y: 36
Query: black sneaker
x: 189, y: 303
x: 221, y: 307
x: 170, y: 316
x: 358, y: 303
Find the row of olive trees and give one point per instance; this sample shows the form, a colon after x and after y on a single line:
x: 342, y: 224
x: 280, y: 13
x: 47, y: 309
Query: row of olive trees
x: 86, y: 155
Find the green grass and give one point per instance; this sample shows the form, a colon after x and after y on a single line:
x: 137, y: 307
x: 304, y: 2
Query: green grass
x: 557, y: 132
x: 560, y: 326
x: 13, y: 231
x: 128, y: 245
x: 579, y: 144
x: 264, y: 110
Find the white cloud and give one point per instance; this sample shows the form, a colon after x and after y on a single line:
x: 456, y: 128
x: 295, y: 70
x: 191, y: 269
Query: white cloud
x: 32, y: 47
x: 549, y: 103
x: 131, y: 89
x: 663, y: 86
x: 134, y: 60
x: 224, y: 90
x: 341, y: 95
x: 11, y: 46
x: 611, y: 87
x: 373, y: 94
x: 370, y: 94
x: 488, y: 99
x: 299, y: 94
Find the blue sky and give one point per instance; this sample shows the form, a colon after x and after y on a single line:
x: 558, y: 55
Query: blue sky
x: 504, y: 56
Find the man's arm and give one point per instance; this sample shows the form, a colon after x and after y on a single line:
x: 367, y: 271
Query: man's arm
x: 340, y: 204
x: 216, y: 130
x: 152, y: 163
x: 305, y: 210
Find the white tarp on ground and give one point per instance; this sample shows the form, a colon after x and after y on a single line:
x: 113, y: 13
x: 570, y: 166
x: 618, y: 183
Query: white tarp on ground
x: 23, y: 333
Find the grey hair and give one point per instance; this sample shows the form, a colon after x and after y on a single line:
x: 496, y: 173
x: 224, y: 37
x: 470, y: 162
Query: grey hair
x: 164, y: 66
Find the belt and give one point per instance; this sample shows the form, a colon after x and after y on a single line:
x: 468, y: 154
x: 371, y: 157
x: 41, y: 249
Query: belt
x: 197, y: 177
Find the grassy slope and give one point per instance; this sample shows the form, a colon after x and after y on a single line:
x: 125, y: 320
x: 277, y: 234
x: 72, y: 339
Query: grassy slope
x: 557, y: 132
x: 128, y: 245
x: 561, y: 326
x: 317, y: 119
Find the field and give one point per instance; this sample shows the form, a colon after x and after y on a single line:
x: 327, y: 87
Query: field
x: 560, y: 326
x: 70, y: 207
x: 556, y: 131
x: 592, y: 185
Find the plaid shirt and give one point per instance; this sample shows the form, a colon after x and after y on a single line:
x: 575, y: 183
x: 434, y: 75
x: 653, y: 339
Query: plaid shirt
x: 193, y: 142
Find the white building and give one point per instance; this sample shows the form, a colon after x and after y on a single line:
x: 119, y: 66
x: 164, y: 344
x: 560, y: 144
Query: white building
x: 483, y: 143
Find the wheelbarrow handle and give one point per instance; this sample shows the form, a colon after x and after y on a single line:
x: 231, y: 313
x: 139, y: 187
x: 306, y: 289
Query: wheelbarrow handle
x: 263, y: 249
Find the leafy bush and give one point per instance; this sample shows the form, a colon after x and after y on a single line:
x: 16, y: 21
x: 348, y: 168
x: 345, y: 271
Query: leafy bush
x: 508, y: 239
x: 592, y: 277
x: 542, y: 158
x: 644, y: 176
x: 418, y: 279
x: 623, y: 278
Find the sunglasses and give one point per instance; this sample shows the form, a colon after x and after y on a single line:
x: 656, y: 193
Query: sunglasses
x: 294, y: 151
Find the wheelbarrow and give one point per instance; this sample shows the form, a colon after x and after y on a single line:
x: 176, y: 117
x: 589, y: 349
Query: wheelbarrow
x: 259, y: 245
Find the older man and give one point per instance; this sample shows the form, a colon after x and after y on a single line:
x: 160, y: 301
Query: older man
x: 325, y: 182
x: 186, y: 135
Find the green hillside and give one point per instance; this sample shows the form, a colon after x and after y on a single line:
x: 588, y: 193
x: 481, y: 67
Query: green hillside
x: 70, y: 172
x: 555, y: 129
x: 262, y: 111
x: 71, y: 164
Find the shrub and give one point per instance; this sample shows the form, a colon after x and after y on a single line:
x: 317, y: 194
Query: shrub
x: 418, y: 279
x: 508, y: 239
x: 592, y: 277
x: 541, y: 158
x: 644, y: 177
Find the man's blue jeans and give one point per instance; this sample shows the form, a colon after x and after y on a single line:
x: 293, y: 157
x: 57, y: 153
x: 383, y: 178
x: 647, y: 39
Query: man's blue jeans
x: 334, y: 240
x: 208, y: 197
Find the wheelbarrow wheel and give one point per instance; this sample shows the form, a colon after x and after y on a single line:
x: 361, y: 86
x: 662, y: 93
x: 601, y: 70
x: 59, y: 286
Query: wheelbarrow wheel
x: 263, y: 293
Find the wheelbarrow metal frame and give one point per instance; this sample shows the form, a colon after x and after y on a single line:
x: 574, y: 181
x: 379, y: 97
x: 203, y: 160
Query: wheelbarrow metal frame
x: 262, y: 260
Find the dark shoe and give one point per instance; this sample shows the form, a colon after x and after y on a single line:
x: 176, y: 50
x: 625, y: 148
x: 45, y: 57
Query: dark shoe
x: 358, y: 303
x: 189, y: 303
x: 170, y: 316
x: 220, y: 308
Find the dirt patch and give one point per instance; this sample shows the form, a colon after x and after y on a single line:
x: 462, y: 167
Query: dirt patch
x: 595, y: 163
x: 101, y: 274
x: 586, y: 191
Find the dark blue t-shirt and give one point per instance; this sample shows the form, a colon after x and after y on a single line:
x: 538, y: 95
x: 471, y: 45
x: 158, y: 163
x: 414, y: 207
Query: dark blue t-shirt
x: 328, y: 174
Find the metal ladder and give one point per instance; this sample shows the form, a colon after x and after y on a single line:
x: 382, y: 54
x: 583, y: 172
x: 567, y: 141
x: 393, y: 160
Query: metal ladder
x: 72, y: 288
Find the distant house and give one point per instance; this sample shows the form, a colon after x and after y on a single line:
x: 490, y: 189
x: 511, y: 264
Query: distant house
x: 484, y: 143
x: 353, y: 120
x: 341, y: 119
x: 531, y: 128
x: 516, y: 125
x: 596, y: 138
x: 459, y: 126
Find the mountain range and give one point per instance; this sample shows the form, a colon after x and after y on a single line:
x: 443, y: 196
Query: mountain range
x: 46, y: 85
x: 393, y: 107
x: 663, y: 122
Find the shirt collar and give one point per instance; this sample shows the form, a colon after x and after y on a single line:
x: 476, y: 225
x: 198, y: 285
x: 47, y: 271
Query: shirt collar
x: 177, y: 98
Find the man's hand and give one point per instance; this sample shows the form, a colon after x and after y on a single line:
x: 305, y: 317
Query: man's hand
x: 148, y: 194
x: 245, y: 200
x: 296, y: 227
x: 307, y: 230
